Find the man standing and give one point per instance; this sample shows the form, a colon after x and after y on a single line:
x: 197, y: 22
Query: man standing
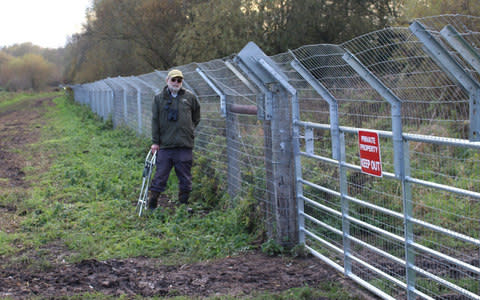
x: 175, y: 115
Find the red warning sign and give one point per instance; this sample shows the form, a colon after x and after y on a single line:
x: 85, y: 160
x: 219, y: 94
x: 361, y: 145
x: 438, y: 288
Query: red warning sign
x: 369, y: 146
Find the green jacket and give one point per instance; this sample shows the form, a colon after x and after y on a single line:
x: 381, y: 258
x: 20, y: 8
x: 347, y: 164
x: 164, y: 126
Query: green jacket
x: 180, y: 133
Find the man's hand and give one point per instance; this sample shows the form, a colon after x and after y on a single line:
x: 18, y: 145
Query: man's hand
x: 154, y: 148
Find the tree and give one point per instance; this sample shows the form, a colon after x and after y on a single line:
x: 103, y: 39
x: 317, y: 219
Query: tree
x: 4, y: 59
x: 296, y: 23
x: 30, y: 71
x: 54, y: 58
x: 217, y: 29
x: 127, y: 37
x: 89, y: 59
x: 18, y: 50
x: 423, y: 8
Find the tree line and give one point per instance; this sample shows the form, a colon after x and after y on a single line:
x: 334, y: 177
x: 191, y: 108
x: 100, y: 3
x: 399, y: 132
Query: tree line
x: 135, y: 36
x: 29, y: 67
x: 131, y: 37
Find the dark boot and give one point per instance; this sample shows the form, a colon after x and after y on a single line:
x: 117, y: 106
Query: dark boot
x: 153, y: 201
x: 183, y: 196
x: 163, y: 200
x: 183, y: 199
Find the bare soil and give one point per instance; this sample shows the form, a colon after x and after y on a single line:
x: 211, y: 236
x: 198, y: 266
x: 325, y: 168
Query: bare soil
x: 240, y: 275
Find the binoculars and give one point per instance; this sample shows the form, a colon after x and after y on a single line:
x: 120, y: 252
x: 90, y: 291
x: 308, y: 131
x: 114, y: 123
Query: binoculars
x: 172, y: 114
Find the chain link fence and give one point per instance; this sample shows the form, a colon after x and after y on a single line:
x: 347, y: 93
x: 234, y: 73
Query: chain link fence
x: 285, y: 129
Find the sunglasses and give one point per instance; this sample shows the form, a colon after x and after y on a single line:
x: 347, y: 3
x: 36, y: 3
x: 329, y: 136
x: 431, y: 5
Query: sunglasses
x: 176, y: 79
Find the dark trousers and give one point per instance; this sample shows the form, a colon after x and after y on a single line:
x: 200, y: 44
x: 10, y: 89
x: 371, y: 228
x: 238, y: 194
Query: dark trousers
x: 178, y: 158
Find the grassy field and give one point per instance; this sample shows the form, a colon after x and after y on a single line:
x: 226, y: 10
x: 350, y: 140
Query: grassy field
x: 83, y: 181
x: 85, y: 198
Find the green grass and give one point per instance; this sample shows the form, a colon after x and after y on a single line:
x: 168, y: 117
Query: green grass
x: 327, y: 291
x: 10, y: 100
x: 85, y: 199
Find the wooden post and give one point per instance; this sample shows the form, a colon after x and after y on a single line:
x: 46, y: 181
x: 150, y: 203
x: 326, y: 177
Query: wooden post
x: 234, y: 176
x: 283, y: 168
x: 279, y: 157
x: 270, y: 200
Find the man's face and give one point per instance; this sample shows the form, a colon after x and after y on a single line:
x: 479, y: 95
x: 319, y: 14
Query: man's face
x: 174, y: 84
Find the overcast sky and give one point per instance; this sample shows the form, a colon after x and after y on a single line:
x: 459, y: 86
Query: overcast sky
x: 46, y: 23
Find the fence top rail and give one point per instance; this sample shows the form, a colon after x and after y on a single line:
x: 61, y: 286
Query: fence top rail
x: 407, y: 136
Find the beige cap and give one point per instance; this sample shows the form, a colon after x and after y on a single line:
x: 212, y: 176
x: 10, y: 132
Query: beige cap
x: 175, y: 73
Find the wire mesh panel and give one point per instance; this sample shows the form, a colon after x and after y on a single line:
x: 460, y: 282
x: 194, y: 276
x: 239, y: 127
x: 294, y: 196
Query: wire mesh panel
x: 245, y: 136
x: 119, y: 96
x: 155, y: 81
x: 210, y: 140
x: 433, y: 104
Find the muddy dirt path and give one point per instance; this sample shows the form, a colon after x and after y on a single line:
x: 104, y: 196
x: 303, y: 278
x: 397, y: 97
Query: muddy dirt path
x: 240, y: 275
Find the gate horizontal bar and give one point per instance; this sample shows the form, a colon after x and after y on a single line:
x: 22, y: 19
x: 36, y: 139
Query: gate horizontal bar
x: 325, y: 259
x: 356, y: 240
x: 443, y: 187
x: 368, y: 266
x: 355, y: 278
x: 376, y: 270
x: 448, y: 258
x: 416, y: 245
x: 446, y: 283
x: 356, y: 221
x: 448, y: 232
x: 436, y: 228
x: 350, y: 166
x: 438, y: 140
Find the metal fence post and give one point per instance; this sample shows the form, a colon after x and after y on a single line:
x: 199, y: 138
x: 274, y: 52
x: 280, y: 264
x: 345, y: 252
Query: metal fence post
x: 399, y: 162
x: 454, y: 38
x: 98, y: 99
x: 95, y: 99
x: 111, y: 94
x: 472, y: 57
x: 347, y: 260
x: 221, y: 94
x: 408, y: 213
x: 89, y: 99
x: 125, y: 101
x: 117, y: 119
x: 92, y: 100
x: 103, y: 102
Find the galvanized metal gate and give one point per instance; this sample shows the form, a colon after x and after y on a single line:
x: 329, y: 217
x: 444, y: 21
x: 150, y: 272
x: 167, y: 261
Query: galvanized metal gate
x: 414, y: 231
